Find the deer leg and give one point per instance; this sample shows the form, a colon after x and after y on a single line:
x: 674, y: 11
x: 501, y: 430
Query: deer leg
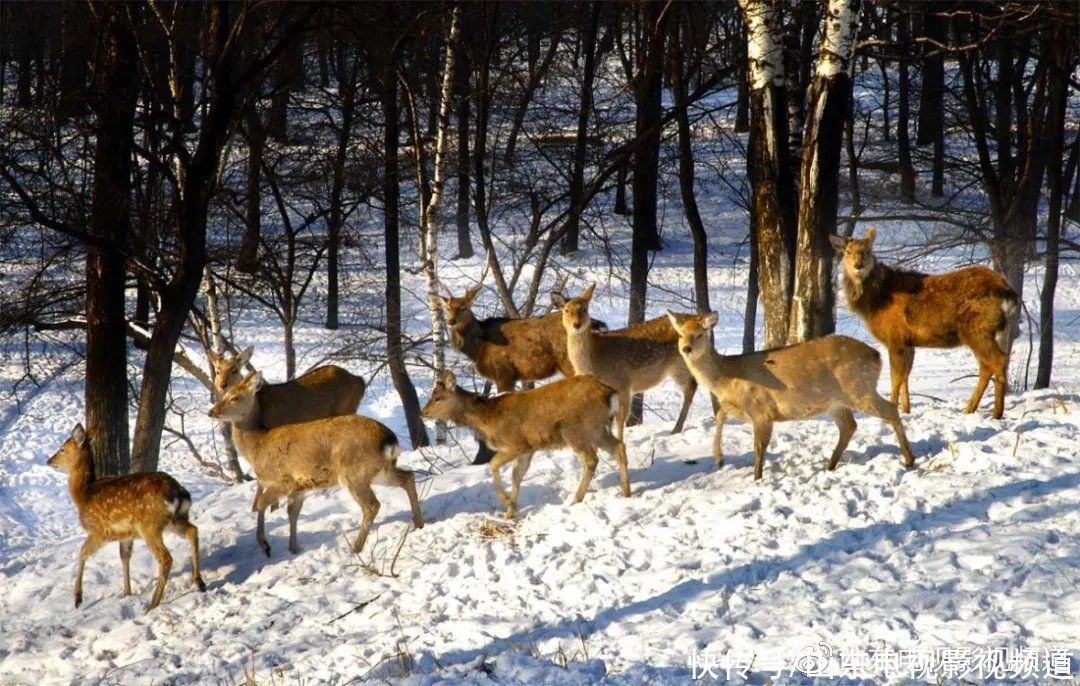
x: 587, y: 455
x: 876, y: 406
x: 999, y: 366
x: 689, y: 388
x: 260, y: 531
x: 896, y: 378
x: 718, y: 439
x: 497, y: 462
x: 521, y: 467
x: 617, y: 449
x: 404, y: 479
x: 369, y: 506
x: 483, y: 452
x: 625, y: 398
x: 845, y: 422
x: 295, y: 502
x: 191, y: 533
x: 125, y: 562
x: 980, y: 388
x: 909, y: 360
x: 157, y: 548
x: 89, y: 547
x: 762, y: 436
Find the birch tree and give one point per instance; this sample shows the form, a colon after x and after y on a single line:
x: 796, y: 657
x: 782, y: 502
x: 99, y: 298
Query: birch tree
x: 814, y: 298
x: 772, y: 210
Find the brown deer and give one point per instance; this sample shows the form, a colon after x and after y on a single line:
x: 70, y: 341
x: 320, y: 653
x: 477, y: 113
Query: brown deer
x: 124, y: 508
x: 351, y: 451
x: 505, y: 350
x: 907, y: 310
x: 629, y: 360
x: 326, y: 391
x: 574, y: 412
x: 832, y: 374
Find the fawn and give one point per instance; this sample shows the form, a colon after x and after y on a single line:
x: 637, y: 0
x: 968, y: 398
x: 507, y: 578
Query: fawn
x: 351, y: 451
x: 832, y: 374
x: 629, y: 360
x: 123, y: 508
x: 575, y: 412
x: 907, y: 310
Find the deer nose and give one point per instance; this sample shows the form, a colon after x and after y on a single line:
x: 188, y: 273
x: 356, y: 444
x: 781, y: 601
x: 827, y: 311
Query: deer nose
x: 686, y: 349
x: 859, y: 264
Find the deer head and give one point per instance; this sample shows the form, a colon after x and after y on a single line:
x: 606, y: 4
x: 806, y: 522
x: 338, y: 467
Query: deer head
x: 239, y: 401
x: 229, y: 371
x: 575, y: 311
x: 693, y: 333
x: 72, y: 452
x: 857, y: 254
x: 459, y: 310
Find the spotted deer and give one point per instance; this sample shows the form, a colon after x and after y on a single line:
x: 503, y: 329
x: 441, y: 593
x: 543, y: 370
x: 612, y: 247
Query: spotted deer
x: 351, y: 451
x: 629, y: 360
x: 506, y: 350
x: 123, y: 508
x: 907, y: 310
x: 832, y: 374
x: 575, y: 412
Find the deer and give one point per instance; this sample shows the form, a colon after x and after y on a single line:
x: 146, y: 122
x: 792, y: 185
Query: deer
x: 832, y: 374
x: 506, y: 350
x: 123, y: 508
x: 350, y: 450
x: 907, y: 310
x: 575, y: 412
x: 326, y: 391
x: 629, y: 360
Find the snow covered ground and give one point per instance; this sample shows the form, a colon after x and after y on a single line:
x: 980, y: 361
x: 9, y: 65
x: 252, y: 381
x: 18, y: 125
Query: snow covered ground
x: 932, y: 575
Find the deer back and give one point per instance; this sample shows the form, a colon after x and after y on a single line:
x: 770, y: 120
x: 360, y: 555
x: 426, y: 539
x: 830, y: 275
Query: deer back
x: 326, y: 391
x: 636, y: 358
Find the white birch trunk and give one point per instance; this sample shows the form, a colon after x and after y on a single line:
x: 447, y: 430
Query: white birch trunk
x: 217, y: 344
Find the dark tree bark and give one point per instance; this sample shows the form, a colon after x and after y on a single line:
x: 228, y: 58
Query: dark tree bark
x: 395, y: 354
x: 289, y: 78
x: 903, y: 141
x: 581, y: 142
x: 247, y: 258
x: 24, y: 53
x: 742, y: 102
x: 621, y: 206
x: 74, y: 58
x: 347, y: 88
x: 813, y: 302
x: 1064, y: 63
x: 106, y: 327
x: 931, y: 98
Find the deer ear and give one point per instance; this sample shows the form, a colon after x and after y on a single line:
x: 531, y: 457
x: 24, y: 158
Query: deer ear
x: 214, y: 359
x: 447, y: 379
x: 245, y: 356
x: 78, y: 434
x: 558, y: 299
x: 587, y: 295
x: 871, y: 234
x: 709, y: 320
x: 674, y: 321
x: 254, y: 381
x: 441, y: 301
x: 838, y: 243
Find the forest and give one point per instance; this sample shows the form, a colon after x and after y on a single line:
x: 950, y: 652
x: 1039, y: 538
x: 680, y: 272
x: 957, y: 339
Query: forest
x: 326, y: 181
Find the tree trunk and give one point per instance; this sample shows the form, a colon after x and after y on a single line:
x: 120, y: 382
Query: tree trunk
x: 217, y: 345
x: 931, y: 99
x: 247, y: 260
x: 24, y: 54
x: 686, y: 178
x: 395, y: 355
x: 581, y: 142
x: 772, y: 211
x: 812, y: 310
x: 1064, y: 63
x: 106, y: 328
x: 742, y: 101
x: 290, y: 77
x: 647, y: 92
x: 462, y: 218
x: 903, y: 141
x: 347, y: 88
x: 73, y: 61
x: 621, y: 206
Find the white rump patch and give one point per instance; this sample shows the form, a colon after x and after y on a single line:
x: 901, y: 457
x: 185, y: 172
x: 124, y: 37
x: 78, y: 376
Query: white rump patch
x: 391, y: 452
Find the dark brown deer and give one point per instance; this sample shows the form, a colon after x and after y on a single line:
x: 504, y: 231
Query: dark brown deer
x: 505, y: 350
x: 576, y: 413
x: 123, y: 508
x: 907, y: 310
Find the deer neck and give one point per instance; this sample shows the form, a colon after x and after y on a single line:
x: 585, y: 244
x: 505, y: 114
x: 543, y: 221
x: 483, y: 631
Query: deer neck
x: 247, y: 433
x: 579, y: 349
x: 479, y: 414
x: 709, y: 367
x: 79, y: 480
x: 860, y: 292
x: 467, y: 340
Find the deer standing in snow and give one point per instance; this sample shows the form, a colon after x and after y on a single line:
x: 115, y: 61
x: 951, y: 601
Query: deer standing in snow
x: 832, y: 374
x: 629, y: 360
x: 123, y: 508
x: 575, y: 412
x: 907, y: 310
x: 351, y: 451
